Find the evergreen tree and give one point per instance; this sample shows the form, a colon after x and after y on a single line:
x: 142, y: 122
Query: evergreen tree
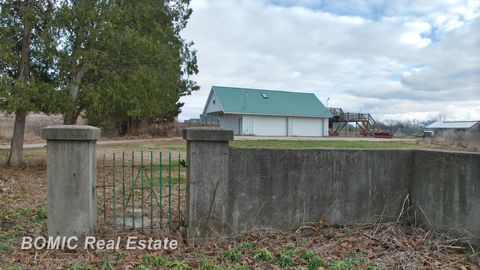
x: 79, y: 24
x: 28, y: 78
x: 121, y: 61
x: 144, y: 65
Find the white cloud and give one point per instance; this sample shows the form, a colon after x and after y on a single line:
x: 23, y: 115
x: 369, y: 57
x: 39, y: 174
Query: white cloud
x: 415, y: 39
x: 392, y: 58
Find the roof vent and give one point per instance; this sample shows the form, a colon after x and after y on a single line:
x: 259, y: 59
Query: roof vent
x: 264, y: 95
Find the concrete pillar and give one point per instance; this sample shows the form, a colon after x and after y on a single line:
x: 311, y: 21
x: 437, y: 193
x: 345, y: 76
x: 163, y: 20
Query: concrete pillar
x: 207, y: 180
x: 71, y: 170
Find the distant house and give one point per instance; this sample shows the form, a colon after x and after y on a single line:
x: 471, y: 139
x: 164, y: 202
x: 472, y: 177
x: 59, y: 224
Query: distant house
x: 193, y: 121
x: 267, y: 112
x: 449, y: 128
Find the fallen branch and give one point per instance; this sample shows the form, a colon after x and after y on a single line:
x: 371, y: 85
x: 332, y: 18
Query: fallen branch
x: 306, y: 227
x: 371, y: 237
x: 403, y: 207
x: 420, y: 207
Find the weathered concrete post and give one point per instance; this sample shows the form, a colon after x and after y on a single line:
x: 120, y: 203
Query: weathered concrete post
x: 71, y: 170
x: 207, y: 178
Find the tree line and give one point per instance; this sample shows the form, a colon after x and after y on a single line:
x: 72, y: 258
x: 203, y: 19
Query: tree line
x: 406, y: 127
x: 119, y: 61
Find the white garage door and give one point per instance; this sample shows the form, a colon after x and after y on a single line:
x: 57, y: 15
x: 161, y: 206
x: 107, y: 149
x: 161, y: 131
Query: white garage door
x: 269, y: 126
x: 307, y: 126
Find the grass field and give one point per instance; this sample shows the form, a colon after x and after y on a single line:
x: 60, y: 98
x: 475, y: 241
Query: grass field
x: 180, y: 145
x: 323, y: 144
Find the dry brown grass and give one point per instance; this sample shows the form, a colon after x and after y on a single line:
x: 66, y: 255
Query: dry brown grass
x: 34, y: 123
x: 460, y: 142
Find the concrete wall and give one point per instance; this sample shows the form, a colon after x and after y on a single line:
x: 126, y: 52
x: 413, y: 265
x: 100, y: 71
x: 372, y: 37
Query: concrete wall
x: 208, y: 165
x: 71, y: 170
x: 285, y: 188
x: 278, y: 188
x: 445, y: 190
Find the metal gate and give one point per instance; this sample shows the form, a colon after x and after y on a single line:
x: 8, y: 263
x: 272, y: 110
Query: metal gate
x: 141, y: 190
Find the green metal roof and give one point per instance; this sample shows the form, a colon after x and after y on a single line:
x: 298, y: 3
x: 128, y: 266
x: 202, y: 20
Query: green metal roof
x: 269, y: 102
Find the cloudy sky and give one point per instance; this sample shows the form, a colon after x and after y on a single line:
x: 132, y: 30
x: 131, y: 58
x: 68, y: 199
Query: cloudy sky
x: 397, y: 59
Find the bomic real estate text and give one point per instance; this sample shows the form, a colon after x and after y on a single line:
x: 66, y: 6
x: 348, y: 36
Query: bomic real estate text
x: 93, y: 243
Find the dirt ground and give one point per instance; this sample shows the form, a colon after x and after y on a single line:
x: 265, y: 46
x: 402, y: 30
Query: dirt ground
x: 314, y: 246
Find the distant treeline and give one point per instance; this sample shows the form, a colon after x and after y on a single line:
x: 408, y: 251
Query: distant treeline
x: 405, y: 127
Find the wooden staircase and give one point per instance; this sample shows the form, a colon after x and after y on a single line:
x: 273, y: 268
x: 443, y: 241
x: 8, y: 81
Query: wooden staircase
x: 363, y: 121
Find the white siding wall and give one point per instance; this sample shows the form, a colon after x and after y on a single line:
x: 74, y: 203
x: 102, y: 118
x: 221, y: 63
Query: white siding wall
x: 248, y: 125
x: 232, y: 122
x: 290, y: 126
x: 213, y: 104
x: 270, y: 126
x: 264, y: 125
x: 325, y: 127
x: 302, y: 126
x: 275, y: 125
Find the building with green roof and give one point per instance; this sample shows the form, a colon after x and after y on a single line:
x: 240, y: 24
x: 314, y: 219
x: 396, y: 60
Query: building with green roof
x: 261, y: 112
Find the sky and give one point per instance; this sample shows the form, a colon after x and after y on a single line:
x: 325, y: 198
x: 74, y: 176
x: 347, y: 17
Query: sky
x: 396, y: 59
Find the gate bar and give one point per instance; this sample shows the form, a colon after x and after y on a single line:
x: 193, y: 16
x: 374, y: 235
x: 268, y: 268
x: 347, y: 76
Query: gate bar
x: 114, y: 195
x: 123, y: 187
x: 160, y: 180
x: 133, y: 189
x: 151, y: 190
x: 141, y: 184
x: 170, y: 189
